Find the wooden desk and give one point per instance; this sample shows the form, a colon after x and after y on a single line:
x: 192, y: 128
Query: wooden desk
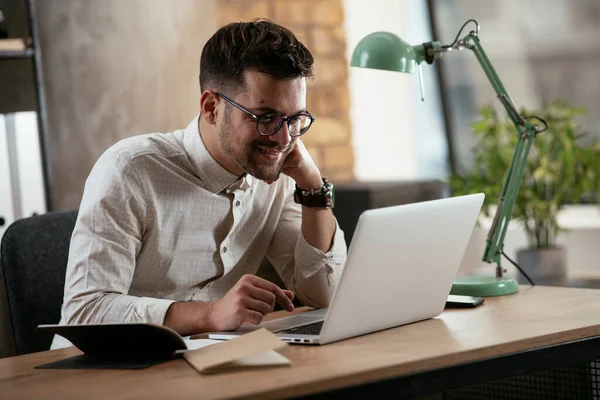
x: 506, y: 335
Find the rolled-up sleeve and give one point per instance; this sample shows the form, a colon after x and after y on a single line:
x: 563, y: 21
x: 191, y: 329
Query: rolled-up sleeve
x: 309, y: 272
x: 105, y: 243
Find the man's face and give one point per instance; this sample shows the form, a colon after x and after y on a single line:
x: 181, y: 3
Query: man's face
x: 260, y: 156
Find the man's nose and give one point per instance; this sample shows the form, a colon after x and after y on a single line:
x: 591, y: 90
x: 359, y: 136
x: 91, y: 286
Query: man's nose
x: 282, y: 136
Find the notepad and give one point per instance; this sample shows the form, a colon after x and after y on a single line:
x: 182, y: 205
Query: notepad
x: 253, y: 350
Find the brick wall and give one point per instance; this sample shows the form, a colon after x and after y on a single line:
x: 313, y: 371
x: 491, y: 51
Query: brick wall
x: 319, y: 25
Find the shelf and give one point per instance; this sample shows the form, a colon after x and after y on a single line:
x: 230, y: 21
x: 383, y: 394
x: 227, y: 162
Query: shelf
x: 11, y: 54
x: 27, y: 48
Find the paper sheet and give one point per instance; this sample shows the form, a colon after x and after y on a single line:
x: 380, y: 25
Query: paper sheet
x: 256, y: 349
x: 194, y: 344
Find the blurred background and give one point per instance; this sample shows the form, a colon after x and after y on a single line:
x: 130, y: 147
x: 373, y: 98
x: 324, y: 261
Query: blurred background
x: 94, y: 72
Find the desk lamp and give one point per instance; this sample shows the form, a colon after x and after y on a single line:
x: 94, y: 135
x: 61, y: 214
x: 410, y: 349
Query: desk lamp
x: 386, y: 51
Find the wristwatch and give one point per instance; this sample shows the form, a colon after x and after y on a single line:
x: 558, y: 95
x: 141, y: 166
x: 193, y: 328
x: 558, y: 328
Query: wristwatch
x: 322, y: 197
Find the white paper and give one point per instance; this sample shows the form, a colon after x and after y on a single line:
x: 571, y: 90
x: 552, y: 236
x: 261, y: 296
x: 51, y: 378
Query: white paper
x: 193, y: 344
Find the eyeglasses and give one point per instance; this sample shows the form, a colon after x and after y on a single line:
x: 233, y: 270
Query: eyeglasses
x: 270, y: 123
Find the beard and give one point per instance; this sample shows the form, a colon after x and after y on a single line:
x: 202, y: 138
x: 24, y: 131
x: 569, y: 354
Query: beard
x: 247, y: 156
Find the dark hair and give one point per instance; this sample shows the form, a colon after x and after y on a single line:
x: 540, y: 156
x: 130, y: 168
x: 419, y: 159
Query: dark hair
x: 262, y: 45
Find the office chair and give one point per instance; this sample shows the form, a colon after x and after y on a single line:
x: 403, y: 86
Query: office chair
x: 34, y: 253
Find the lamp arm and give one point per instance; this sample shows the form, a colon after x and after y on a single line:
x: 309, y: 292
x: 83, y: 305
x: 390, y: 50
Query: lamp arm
x: 526, y: 135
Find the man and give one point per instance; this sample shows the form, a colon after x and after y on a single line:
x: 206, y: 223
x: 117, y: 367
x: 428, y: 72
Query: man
x: 173, y: 227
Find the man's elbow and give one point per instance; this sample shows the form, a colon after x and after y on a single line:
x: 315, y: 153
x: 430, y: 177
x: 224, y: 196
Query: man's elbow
x: 79, y: 310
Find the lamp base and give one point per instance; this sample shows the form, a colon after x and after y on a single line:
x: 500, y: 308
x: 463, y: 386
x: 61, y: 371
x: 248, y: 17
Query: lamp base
x: 484, y: 286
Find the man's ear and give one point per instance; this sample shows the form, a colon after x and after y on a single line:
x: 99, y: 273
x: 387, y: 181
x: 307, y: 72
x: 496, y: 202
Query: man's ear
x: 209, y: 101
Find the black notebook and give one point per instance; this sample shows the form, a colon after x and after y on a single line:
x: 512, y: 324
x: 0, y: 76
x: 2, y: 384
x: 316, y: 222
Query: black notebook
x: 123, y: 346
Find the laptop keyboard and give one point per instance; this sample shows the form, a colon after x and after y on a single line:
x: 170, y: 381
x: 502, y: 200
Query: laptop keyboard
x: 310, y: 329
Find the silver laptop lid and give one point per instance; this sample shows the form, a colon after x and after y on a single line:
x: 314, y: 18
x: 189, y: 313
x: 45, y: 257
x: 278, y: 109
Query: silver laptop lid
x: 401, y: 264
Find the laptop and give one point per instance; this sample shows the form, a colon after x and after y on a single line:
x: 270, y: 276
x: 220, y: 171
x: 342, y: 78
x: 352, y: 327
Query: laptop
x: 400, y: 268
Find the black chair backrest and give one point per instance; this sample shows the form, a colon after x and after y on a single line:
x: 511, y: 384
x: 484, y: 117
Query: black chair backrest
x: 34, y: 254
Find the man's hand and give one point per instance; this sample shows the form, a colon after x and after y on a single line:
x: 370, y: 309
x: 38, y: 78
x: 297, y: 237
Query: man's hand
x: 249, y: 300
x: 300, y: 166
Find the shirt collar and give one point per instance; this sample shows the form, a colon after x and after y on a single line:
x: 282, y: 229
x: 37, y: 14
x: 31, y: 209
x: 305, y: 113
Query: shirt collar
x: 212, y: 174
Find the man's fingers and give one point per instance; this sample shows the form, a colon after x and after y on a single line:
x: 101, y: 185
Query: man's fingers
x: 280, y: 296
x: 268, y: 297
x: 283, y: 299
x: 289, y: 294
x: 257, y: 305
x: 263, y: 295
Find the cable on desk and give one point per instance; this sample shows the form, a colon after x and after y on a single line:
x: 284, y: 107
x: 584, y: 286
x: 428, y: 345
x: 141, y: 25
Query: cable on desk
x: 519, y: 268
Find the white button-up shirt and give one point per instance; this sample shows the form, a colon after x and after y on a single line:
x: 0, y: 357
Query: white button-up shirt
x: 162, y: 221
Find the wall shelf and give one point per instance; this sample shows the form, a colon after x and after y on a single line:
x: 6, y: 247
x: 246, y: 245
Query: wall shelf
x: 29, y: 48
x: 13, y: 55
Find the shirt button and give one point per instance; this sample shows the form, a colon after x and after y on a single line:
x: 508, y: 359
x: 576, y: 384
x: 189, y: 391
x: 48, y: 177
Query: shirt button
x: 237, y: 203
x: 224, y: 249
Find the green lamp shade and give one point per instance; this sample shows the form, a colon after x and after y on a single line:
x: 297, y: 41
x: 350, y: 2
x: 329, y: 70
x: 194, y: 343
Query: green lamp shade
x: 384, y: 50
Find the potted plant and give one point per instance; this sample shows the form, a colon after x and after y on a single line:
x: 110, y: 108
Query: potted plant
x: 559, y: 171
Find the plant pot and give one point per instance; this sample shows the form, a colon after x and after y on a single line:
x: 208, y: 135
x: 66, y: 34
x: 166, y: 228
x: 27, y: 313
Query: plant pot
x: 544, y: 266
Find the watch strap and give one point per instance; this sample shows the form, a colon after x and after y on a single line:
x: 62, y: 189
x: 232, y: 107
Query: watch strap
x: 321, y: 197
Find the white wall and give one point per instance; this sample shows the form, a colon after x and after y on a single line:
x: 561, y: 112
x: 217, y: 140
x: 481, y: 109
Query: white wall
x: 380, y: 105
x: 395, y: 135
x: 427, y: 119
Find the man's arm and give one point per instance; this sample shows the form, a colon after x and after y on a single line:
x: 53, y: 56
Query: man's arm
x: 105, y: 243
x: 311, y: 273
x: 308, y: 248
